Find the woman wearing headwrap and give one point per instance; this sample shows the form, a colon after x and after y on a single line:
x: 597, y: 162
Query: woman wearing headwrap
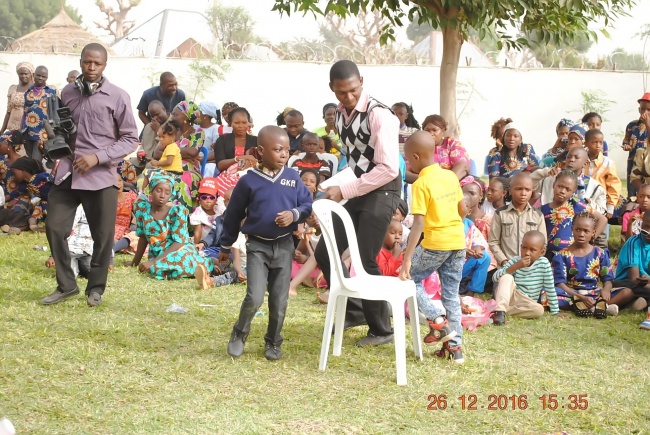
x: 192, y: 138
x: 16, y: 97
x: 450, y: 153
x: 562, y: 132
x: 162, y: 226
x: 515, y: 155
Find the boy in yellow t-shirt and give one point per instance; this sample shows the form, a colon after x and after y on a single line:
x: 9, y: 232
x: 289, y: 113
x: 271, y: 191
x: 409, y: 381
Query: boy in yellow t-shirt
x: 437, y: 209
x: 170, y: 160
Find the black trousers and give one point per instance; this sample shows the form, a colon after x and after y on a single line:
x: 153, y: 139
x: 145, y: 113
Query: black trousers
x: 371, y: 214
x: 13, y: 218
x: 639, y: 290
x: 32, y: 150
x: 100, y: 207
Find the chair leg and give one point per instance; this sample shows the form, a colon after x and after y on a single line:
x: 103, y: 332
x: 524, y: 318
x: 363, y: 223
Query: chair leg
x: 415, y: 327
x: 327, y: 332
x: 399, y: 337
x: 340, y: 304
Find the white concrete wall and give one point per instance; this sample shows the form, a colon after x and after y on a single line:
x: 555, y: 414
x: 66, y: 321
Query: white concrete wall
x: 536, y: 99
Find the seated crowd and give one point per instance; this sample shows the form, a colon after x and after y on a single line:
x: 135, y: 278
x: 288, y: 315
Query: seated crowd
x: 535, y: 235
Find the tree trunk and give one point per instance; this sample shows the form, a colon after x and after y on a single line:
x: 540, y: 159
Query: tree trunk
x: 452, y: 41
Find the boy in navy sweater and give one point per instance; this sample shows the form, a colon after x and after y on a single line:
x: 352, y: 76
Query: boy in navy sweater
x: 273, y: 200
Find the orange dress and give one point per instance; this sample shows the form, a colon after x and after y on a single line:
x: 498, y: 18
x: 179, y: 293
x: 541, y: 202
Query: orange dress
x: 124, y: 213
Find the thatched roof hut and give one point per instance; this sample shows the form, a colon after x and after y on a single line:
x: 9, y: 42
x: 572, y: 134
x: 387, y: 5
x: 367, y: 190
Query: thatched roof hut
x: 60, y: 35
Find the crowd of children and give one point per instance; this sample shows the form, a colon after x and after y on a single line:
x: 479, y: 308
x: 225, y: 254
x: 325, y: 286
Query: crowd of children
x: 535, y: 235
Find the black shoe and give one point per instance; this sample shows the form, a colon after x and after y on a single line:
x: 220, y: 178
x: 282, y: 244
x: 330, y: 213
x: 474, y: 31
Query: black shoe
x: 272, y: 352
x: 236, y: 343
x: 57, y: 296
x: 94, y: 299
x: 499, y: 318
x: 374, y: 340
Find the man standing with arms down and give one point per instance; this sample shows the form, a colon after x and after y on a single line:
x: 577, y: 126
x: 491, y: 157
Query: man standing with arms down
x: 370, y: 132
x: 106, y: 133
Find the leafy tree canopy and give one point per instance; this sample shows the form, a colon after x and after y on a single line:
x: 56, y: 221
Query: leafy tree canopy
x: 20, y: 17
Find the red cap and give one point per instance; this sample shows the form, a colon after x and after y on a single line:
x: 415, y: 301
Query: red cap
x: 646, y: 97
x: 208, y: 185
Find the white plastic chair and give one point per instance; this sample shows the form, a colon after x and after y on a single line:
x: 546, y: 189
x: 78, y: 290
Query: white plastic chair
x: 363, y: 286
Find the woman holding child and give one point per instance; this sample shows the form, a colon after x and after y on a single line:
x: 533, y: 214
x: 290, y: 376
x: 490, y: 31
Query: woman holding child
x: 515, y: 155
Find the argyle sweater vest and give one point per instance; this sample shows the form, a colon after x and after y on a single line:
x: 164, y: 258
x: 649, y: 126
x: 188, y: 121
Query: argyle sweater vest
x: 355, y: 135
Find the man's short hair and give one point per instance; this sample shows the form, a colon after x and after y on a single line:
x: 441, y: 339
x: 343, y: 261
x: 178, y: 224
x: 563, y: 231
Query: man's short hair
x: 343, y: 70
x: 166, y: 75
x: 94, y: 46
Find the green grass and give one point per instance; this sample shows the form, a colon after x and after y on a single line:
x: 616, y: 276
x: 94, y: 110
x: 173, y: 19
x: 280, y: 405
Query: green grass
x: 128, y: 367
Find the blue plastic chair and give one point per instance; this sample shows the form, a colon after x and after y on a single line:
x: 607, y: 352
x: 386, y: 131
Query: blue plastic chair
x: 204, y: 162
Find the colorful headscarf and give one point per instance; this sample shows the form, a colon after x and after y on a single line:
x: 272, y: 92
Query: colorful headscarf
x: 8, y: 137
x: 564, y: 123
x: 190, y: 109
x: 27, y: 65
x: 470, y: 179
x: 161, y: 176
x: 580, y: 130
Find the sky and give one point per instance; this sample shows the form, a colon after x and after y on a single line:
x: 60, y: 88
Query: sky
x: 270, y: 26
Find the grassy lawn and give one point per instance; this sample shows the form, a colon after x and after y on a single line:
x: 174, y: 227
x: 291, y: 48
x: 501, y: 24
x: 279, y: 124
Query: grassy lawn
x: 128, y: 367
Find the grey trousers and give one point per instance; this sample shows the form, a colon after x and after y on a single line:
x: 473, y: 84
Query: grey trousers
x: 100, y: 206
x: 269, y: 268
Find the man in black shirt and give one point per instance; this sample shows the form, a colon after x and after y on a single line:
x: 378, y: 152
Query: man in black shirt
x: 167, y: 93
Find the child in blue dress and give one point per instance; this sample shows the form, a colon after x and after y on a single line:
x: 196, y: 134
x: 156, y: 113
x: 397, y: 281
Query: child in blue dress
x: 163, y: 227
x: 560, y: 212
x: 581, y: 268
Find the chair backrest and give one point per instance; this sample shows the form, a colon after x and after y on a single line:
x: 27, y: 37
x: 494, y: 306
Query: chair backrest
x: 325, y: 210
x: 329, y: 158
x: 204, y: 162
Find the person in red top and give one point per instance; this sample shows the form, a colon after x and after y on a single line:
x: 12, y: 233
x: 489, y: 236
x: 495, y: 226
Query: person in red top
x: 310, y: 143
x: 390, y: 256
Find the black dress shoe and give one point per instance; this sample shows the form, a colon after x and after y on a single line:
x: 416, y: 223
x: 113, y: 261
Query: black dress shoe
x: 499, y: 318
x: 236, y: 343
x: 272, y: 352
x: 94, y: 299
x: 57, y: 296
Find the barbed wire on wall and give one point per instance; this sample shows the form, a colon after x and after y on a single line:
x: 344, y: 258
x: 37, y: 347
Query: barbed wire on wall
x: 298, y: 51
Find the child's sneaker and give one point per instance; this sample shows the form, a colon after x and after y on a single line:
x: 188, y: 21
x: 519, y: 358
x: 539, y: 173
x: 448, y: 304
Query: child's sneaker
x: 646, y: 323
x: 439, y: 333
x: 225, y: 279
x: 453, y: 353
x: 612, y: 310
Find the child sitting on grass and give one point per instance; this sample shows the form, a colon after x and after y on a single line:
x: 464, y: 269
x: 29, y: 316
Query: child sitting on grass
x: 521, y: 281
x: 163, y: 227
x: 234, y: 274
x: 31, y: 182
x: 633, y: 268
x: 273, y: 200
x: 497, y: 195
x: 602, y: 169
x: 512, y: 221
x: 304, y: 270
x: 311, y: 160
x: 580, y: 268
x: 632, y: 220
x: 205, y: 217
x: 437, y: 208
x: 390, y: 255
x: 559, y: 213
x: 125, y: 201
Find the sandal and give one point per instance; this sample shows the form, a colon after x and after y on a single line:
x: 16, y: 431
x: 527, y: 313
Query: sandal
x: 579, y: 308
x: 600, y: 309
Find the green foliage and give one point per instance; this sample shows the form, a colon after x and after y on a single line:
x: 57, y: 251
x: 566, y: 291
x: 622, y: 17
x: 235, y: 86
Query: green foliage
x: 20, y: 17
x: 232, y: 25
x: 594, y: 100
x: 204, y: 72
x: 558, y: 22
x: 620, y: 59
x: 561, y: 55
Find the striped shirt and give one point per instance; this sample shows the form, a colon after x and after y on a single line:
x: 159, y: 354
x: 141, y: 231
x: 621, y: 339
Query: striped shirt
x: 532, y: 280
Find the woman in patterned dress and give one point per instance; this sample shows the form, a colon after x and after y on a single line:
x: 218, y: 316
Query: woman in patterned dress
x: 16, y: 97
x: 515, y: 155
x: 450, y: 153
x: 163, y: 227
x: 187, y: 114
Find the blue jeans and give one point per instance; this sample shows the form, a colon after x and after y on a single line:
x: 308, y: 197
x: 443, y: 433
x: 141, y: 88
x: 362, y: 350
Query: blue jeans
x: 477, y: 269
x: 449, y: 265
